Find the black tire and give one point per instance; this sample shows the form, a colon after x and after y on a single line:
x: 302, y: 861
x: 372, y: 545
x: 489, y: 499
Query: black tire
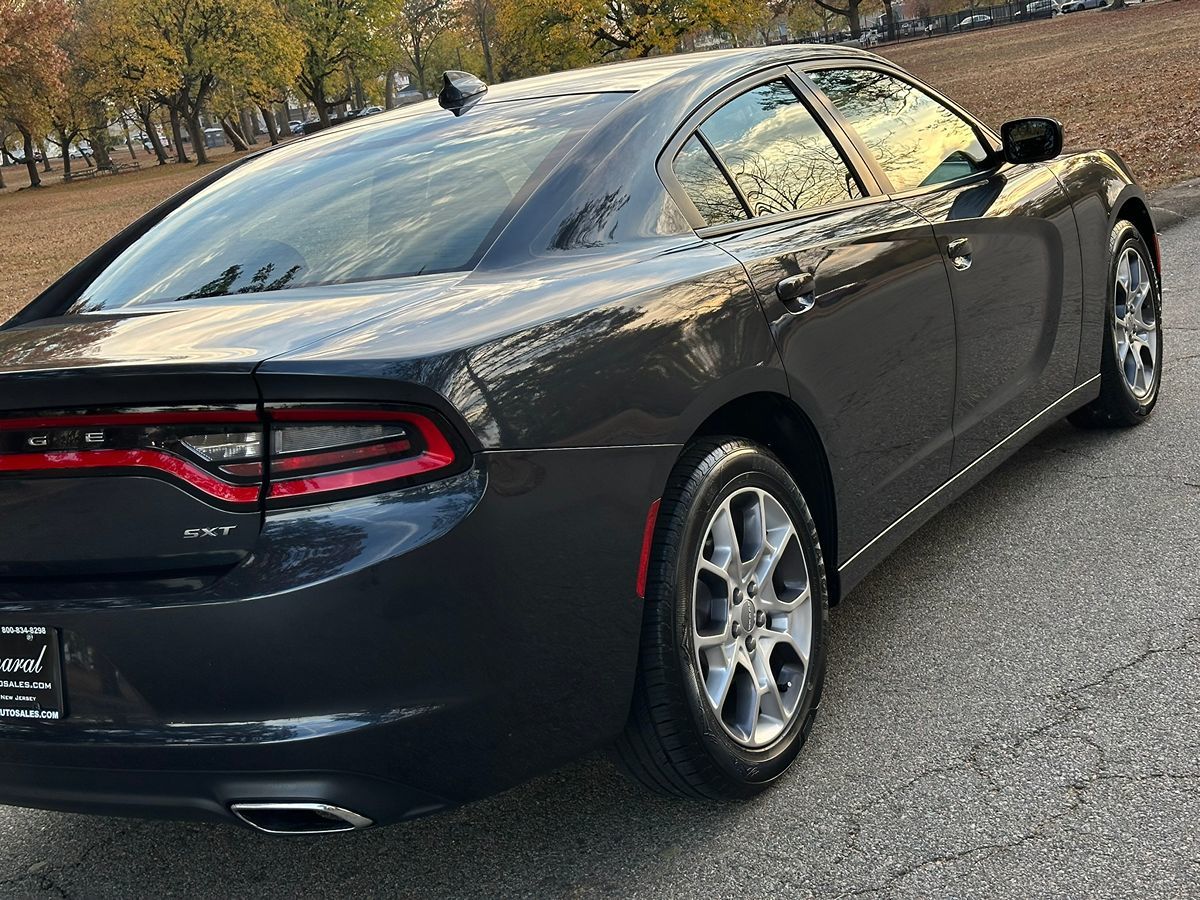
x: 1118, y: 406
x: 674, y: 743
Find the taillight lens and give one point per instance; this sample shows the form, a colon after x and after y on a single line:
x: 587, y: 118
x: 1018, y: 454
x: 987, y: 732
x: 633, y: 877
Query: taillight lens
x: 188, y: 447
x: 299, y: 456
x: 325, y: 453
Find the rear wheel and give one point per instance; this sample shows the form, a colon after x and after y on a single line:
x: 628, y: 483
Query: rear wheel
x: 733, y: 644
x: 1131, y: 360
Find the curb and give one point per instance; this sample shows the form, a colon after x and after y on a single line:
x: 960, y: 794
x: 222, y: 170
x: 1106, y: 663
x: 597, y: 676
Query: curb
x: 1173, y: 205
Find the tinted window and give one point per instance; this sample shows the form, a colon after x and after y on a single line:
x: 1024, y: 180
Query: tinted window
x: 706, y: 184
x: 916, y: 139
x: 778, y: 154
x: 424, y: 192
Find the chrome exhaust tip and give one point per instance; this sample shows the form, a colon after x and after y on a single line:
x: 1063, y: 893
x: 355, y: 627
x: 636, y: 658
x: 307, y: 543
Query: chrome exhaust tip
x: 299, y: 817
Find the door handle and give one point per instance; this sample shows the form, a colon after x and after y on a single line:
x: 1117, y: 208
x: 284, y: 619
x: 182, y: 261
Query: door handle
x: 796, y: 292
x: 960, y: 253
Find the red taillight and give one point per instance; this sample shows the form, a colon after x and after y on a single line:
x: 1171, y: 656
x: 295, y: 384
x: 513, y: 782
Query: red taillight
x: 322, y: 453
x: 189, y: 447
x: 308, y: 454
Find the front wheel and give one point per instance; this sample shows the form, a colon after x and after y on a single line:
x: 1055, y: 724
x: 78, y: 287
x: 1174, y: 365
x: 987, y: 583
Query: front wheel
x: 1132, y: 357
x: 733, y: 644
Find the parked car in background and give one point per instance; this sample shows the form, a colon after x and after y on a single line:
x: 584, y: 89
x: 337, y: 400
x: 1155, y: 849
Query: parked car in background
x: 1038, y: 9
x: 145, y: 141
x: 368, y: 111
x: 973, y: 22
x: 1080, y: 5
x: 407, y: 96
x: 869, y: 38
x: 296, y: 126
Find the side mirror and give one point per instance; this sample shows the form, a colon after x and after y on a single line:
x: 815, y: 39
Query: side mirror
x: 460, y: 91
x: 1031, y: 140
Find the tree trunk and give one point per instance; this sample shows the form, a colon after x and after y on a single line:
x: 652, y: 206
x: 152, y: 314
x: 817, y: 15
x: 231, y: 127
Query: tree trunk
x: 389, y: 90
x: 45, y: 148
x: 35, y: 180
x: 235, y: 136
x: 852, y: 18
x: 2, y: 184
x: 269, y: 119
x: 359, y: 98
x: 249, y: 127
x: 98, y: 134
x: 177, y: 136
x: 485, y: 40
x: 152, y: 134
x: 97, y: 138
x: 198, y: 148
x: 65, y: 143
x: 128, y: 139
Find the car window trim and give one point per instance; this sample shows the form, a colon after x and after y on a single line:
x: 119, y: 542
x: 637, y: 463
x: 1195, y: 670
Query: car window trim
x: 723, y: 166
x: 987, y: 138
x: 871, y: 189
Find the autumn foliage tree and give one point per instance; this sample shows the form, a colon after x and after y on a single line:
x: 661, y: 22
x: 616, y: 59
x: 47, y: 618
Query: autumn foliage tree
x: 333, y: 35
x: 200, y: 44
x: 32, y: 64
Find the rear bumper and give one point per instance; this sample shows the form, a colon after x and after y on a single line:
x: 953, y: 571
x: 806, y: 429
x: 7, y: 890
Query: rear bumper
x: 393, y: 655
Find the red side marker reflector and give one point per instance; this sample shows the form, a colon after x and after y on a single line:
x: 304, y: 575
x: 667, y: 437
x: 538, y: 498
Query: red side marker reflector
x: 647, y: 541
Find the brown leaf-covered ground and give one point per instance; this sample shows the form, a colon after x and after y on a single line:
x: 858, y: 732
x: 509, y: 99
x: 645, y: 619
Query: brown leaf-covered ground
x: 1129, y: 80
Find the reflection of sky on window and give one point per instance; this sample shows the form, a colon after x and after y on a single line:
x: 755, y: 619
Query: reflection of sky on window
x: 418, y: 194
x: 910, y: 133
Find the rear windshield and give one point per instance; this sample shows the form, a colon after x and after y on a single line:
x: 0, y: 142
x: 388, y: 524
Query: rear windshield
x: 426, y: 192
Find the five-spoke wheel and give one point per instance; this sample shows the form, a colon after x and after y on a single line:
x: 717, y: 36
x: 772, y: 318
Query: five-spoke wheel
x: 752, y: 617
x: 733, y: 643
x: 1131, y: 358
x: 1135, y: 322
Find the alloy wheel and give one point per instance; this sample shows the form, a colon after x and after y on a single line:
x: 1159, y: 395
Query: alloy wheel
x: 1135, y: 323
x: 752, y: 617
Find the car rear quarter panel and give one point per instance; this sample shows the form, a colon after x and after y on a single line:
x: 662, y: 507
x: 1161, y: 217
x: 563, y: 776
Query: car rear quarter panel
x: 583, y: 349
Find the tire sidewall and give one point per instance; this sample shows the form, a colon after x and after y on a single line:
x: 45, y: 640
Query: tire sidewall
x: 741, y: 468
x: 1125, y: 235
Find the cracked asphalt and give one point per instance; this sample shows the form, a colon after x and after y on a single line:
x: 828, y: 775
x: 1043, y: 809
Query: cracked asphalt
x: 1013, y: 708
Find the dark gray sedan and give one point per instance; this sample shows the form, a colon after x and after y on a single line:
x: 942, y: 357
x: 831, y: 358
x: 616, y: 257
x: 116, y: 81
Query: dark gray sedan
x: 383, y: 470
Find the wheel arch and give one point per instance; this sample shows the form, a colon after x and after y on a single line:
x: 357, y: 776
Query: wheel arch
x: 779, y: 424
x: 1134, y: 209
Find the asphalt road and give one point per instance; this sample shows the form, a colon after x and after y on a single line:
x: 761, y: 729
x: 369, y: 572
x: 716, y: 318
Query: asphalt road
x: 1013, y: 708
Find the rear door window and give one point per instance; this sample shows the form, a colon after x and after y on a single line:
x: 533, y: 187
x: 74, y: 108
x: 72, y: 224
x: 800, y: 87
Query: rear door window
x: 776, y: 153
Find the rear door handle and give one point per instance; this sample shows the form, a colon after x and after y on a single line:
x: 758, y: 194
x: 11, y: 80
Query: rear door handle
x: 960, y: 253
x: 796, y: 292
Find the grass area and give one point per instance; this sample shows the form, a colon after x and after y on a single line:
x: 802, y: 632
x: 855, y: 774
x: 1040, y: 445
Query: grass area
x: 49, y: 230
x: 1129, y: 80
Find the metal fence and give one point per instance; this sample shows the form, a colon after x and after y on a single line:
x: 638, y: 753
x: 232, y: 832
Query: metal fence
x: 965, y: 20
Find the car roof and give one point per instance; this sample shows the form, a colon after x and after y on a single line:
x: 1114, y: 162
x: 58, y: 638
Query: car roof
x: 639, y: 74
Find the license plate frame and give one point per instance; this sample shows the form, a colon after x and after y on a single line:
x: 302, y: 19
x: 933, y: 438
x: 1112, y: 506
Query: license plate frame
x: 31, y: 675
